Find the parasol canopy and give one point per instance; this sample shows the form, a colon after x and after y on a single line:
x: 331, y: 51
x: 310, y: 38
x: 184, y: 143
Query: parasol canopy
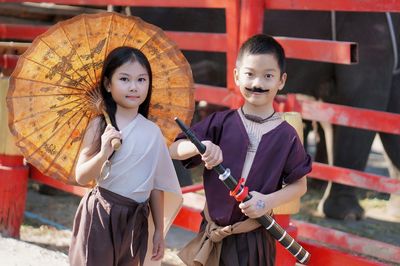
x: 50, y: 97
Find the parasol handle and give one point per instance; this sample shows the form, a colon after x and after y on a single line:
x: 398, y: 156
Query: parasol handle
x: 287, y: 241
x: 115, y: 143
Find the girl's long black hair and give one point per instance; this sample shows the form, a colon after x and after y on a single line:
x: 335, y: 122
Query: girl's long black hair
x: 114, y: 60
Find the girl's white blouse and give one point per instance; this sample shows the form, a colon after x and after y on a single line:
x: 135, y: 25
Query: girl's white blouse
x: 142, y: 163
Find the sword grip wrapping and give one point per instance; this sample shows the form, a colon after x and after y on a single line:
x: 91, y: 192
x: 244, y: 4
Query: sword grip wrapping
x: 286, y: 240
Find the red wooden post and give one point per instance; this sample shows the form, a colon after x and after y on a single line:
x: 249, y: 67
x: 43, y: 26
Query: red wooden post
x: 13, y: 187
x: 251, y: 19
x: 232, y: 30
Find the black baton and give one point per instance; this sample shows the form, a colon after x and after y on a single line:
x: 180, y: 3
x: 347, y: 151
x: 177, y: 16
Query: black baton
x: 302, y: 255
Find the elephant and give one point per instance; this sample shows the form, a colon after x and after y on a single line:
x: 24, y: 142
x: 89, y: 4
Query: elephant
x: 373, y: 83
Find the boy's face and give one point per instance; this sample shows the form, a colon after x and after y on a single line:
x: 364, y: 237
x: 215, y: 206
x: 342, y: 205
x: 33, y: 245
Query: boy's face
x: 259, y: 78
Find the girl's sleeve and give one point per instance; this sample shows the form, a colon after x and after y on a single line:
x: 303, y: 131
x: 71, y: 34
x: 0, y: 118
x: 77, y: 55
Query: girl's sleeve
x: 207, y: 129
x: 165, y: 177
x: 298, y: 162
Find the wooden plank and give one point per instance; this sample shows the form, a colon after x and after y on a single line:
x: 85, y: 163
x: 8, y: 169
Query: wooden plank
x: 197, y: 41
x: 189, y: 216
x: 337, y: 5
x: 348, y: 242
x: 355, y: 178
x: 214, y: 95
x: 252, y: 17
x: 8, y: 61
x: 144, y: 3
x: 21, y: 32
x: 192, y: 188
x: 11, y: 160
x: 38, y: 176
x: 306, y: 49
x: 42, y: 13
x: 346, y: 115
x: 16, y: 48
x: 321, y: 255
x: 336, y: 52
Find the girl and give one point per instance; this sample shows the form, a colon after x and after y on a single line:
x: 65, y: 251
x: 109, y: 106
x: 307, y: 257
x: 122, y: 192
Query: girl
x: 111, y: 226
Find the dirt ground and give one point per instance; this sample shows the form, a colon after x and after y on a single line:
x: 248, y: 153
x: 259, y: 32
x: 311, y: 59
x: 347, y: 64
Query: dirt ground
x: 46, y: 231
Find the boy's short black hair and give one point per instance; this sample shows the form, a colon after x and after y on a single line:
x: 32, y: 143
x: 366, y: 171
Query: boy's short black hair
x: 263, y: 44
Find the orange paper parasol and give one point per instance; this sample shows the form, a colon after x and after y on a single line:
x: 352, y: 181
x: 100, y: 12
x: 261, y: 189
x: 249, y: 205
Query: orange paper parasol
x: 50, y: 98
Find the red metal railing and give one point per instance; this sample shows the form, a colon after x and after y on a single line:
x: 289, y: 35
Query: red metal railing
x: 337, y: 5
x: 210, y: 42
x: 252, y: 15
x: 345, y: 241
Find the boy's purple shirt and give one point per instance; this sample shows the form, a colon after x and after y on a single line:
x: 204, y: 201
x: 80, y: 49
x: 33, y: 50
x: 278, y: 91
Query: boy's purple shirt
x: 280, y: 158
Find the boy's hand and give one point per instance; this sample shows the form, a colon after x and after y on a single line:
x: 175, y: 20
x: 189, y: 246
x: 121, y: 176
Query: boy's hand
x: 158, y: 246
x: 212, y: 156
x: 256, y: 206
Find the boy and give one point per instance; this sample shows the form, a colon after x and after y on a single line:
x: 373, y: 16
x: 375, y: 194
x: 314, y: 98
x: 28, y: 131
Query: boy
x: 257, y: 145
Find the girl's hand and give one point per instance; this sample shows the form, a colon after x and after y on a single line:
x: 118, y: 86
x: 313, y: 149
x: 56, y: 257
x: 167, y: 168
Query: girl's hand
x: 109, y: 134
x: 158, y: 245
x: 212, y: 156
x: 256, y: 206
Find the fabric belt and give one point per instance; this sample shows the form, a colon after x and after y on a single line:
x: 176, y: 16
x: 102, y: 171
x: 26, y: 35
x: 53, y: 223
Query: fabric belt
x: 205, y: 248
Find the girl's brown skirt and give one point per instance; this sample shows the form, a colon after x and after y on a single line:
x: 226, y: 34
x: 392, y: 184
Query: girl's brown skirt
x: 109, y: 229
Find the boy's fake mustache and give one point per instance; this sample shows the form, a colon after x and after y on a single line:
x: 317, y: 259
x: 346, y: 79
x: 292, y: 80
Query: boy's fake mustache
x: 256, y: 89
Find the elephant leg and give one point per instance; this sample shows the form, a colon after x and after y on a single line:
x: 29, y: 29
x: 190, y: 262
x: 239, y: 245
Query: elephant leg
x: 342, y: 201
x: 184, y: 175
x: 365, y: 85
x: 391, y: 144
x: 321, y: 155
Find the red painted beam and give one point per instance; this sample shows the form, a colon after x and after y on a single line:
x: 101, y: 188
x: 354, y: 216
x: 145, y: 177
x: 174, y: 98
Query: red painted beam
x: 188, y: 219
x: 321, y: 255
x: 355, y: 178
x: 349, y: 242
x: 189, y: 216
x: 210, y: 42
x: 144, y: 3
x: 192, y: 188
x: 337, y: 5
x: 8, y: 61
x: 214, y: 95
x: 38, y: 176
x: 346, y: 115
x: 320, y: 50
x: 252, y: 17
x: 306, y: 49
x: 21, y: 32
x: 11, y: 160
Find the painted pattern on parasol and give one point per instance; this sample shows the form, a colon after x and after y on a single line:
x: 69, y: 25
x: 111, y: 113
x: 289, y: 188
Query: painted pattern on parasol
x: 53, y: 90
